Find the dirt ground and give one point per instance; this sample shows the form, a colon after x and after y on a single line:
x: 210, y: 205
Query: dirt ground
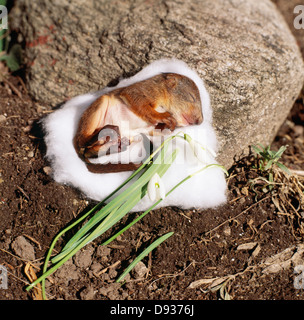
x: 230, y: 244
x: 247, y: 249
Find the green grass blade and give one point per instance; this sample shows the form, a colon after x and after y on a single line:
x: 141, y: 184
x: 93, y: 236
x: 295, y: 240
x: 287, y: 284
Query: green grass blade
x: 156, y: 203
x: 124, y: 196
x: 144, y: 253
x: 117, y: 212
x: 95, y: 208
x: 268, y: 165
x: 91, y: 211
x: 13, y: 57
x: 101, y: 213
x: 282, y: 167
x: 161, y: 172
x: 3, y: 35
x: 256, y: 149
x: 82, y: 231
x: 53, y: 268
x: 61, y: 233
x: 90, y: 235
x: 145, y: 163
x: 2, y: 43
x: 110, y: 207
x: 115, y: 215
x: 88, y: 239
x: 279, y: 153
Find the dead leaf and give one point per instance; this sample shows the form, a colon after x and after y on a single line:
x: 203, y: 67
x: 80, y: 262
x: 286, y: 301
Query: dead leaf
x: 244, y: 191
x: 217, y: 283
x: 224, y: 291
x: 247, y: 246
x: 293, y: 256
x: 277, y: 204
x: 213, y: 283
x: 284, y: 260
x: 256, y: 251
x: 200, y: 282
x: 30, y: 273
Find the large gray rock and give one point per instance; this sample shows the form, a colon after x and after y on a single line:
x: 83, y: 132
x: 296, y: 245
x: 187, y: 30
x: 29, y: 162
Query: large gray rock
x: 242, y: 49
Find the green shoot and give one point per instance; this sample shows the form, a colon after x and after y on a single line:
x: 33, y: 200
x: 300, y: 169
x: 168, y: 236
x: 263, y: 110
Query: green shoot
x: 267, y: 161
x: 2, y: 31
x: 106, y: 215
x: 11, y: 57
x: 144, y: 253
x: 269, y: 158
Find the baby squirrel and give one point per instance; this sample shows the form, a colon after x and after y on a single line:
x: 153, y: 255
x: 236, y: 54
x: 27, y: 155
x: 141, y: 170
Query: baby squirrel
x: 165, y: 101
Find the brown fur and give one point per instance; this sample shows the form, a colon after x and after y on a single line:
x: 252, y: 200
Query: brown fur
x: 176, y: 94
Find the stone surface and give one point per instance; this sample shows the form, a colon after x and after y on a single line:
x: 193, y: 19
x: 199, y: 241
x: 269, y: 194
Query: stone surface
x: 243, y: 50
x: 140, y: 270
x: 23, y: 248
x: 83, y: 258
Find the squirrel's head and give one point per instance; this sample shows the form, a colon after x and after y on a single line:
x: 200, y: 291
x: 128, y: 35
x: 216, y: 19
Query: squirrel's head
x: 185, y: 101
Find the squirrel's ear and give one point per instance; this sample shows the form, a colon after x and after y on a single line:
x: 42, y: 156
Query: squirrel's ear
x: 171, y: 80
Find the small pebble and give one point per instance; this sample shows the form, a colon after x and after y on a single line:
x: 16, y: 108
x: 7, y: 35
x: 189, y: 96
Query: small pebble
x: 140, y: 270
x: 30, y: 154
x: 47, y: 170
x: 2, y: 118
x: 27, y: 129
x: 23, y: 248
x: 227, y: 231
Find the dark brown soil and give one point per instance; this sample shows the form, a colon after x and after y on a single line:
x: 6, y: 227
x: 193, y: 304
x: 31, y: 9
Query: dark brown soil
x: 33, y: 209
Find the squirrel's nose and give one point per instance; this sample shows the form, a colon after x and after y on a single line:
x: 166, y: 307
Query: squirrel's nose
x: 191, y: 119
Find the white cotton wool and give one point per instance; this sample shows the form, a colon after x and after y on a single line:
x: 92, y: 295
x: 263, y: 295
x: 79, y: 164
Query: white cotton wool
x: 204, y: 190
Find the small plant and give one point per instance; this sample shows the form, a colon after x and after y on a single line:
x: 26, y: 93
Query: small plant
x: 11, y: 57
x: 267, y: 161
x: 269, y: 158
x: 287, y: 189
